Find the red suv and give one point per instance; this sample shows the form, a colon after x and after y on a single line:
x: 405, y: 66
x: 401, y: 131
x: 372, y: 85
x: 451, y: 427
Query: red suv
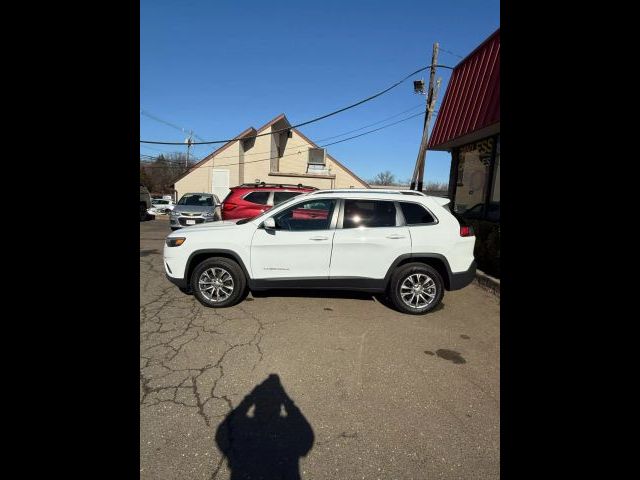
x: 251, y: 199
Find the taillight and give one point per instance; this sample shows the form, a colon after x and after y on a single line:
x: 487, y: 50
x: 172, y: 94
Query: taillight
x: 466, y: 231
x: 228, y: 206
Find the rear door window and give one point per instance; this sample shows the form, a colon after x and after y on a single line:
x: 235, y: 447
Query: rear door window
x: 279, y: 197
x: 261, y: 198
x: 415, y: 214
x: 369, y: 213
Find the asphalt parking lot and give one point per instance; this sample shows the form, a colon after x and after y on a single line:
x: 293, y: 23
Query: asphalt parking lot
x: 328, y: 385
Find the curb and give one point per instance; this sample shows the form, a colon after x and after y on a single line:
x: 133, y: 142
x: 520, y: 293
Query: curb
x: 488, y: 282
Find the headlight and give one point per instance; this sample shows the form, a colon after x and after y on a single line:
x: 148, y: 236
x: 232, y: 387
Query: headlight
x: 175, y: 214
x: 208, y: 214
x: 174, y: 241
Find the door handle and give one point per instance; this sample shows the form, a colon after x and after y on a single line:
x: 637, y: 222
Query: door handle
x: 395, y: 236
x: 319, y: 238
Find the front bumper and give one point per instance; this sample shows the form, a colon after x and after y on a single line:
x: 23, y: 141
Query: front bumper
x: 179, y: 282
x: 462, y: 279
x: 180, y: 222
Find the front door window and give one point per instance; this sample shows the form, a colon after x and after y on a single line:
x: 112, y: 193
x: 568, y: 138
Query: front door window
x: 310, y: 215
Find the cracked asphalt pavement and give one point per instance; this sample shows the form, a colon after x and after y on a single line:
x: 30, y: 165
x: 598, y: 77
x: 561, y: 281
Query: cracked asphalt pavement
x: 386, y: 395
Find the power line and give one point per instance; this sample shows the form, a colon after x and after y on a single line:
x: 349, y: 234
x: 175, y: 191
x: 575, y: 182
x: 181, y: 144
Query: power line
x: 158, y: 119
x: 154, y: 149
x: 333, y: 136
x: 451, y: 53
x: 299, y: 151
x: 371, y: 124
x: 374, y: 130
x: 317, y: 119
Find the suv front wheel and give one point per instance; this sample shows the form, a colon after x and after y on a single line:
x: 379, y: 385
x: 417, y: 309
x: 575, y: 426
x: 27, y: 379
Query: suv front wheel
x: 416, y: 288
x: 218, y: 282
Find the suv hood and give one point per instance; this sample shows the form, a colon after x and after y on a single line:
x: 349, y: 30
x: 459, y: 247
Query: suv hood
x: 193, y: 208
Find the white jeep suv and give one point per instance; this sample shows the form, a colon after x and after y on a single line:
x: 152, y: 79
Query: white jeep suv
x: 403, y: 243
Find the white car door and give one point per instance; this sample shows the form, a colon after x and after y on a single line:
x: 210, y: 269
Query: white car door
x: 369, y: 240
x: 300, y: 245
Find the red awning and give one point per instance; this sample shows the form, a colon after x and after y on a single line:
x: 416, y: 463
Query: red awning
x: 472, y: 100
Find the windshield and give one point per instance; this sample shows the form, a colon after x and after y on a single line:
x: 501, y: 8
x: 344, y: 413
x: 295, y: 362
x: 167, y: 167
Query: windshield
x: 200, y: 200
x: 286, y: 202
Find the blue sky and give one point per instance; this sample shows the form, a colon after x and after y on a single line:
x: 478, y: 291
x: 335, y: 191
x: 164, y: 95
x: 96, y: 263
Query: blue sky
x: 218, y: 67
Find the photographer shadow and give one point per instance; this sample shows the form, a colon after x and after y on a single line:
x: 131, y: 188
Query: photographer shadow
x: 265, y: 435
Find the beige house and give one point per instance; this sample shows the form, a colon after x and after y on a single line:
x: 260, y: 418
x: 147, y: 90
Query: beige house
x: 284, y: 157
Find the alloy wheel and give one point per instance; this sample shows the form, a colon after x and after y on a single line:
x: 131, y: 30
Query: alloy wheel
x: 216, y: 284
x: 418, y: 290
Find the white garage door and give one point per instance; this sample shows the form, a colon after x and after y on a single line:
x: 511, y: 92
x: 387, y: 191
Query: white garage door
x: 220, y: 183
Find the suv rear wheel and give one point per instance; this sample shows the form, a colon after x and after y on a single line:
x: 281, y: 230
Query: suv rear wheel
x: 416, y: 288
x: 218, y: 282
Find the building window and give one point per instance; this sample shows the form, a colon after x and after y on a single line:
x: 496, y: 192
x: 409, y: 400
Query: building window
x: 316, y: 161
x: 473, y: 170
x: 495, y: 189
x: 493, y: 213
x: 317, y: 169
x: 460, y: 169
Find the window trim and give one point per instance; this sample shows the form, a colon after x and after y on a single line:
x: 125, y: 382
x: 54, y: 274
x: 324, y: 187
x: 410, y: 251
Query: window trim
x: 332, y: 223
x: 435, y: 218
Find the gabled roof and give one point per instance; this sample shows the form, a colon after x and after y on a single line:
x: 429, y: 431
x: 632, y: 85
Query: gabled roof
x: 246, y: 133
x: 471, y: 104
x: 249, y: 132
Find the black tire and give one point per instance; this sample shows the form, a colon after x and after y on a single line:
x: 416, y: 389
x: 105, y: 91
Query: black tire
x: 411, y: 269
x: 232, y: 268
x: 175, y: 228
x: 143, y: 212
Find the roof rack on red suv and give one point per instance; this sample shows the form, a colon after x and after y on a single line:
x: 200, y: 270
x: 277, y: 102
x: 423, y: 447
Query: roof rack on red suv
x: 251, y: 199
x: 275, y: 185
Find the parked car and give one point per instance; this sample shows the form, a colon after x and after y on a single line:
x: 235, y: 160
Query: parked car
x: 409, y: 246
x: 161, y: 206
x: 251, y: 199
x: 195, y: 208
x: 145, y: 202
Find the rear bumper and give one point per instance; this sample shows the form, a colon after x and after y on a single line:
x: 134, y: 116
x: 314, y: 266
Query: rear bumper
x: 462, y: 279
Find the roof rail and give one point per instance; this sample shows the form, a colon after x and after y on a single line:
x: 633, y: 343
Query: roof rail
x: 274, y: 185
x: 373, y: 191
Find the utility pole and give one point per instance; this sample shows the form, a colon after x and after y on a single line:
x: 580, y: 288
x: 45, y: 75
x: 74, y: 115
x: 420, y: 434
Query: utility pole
x: 432, y: 93
x: 186, y: 162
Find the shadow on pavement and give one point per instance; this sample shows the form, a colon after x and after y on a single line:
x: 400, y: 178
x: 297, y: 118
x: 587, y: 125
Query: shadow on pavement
x: 314, y: 294
x: 265, y: 436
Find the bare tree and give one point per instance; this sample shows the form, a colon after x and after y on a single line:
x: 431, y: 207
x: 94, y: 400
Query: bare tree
x: 437, y: 186
x: 383, y: 178
x: 160, y: 173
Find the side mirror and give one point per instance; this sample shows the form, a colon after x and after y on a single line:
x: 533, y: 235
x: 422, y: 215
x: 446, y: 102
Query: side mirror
x: 269, y: 223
